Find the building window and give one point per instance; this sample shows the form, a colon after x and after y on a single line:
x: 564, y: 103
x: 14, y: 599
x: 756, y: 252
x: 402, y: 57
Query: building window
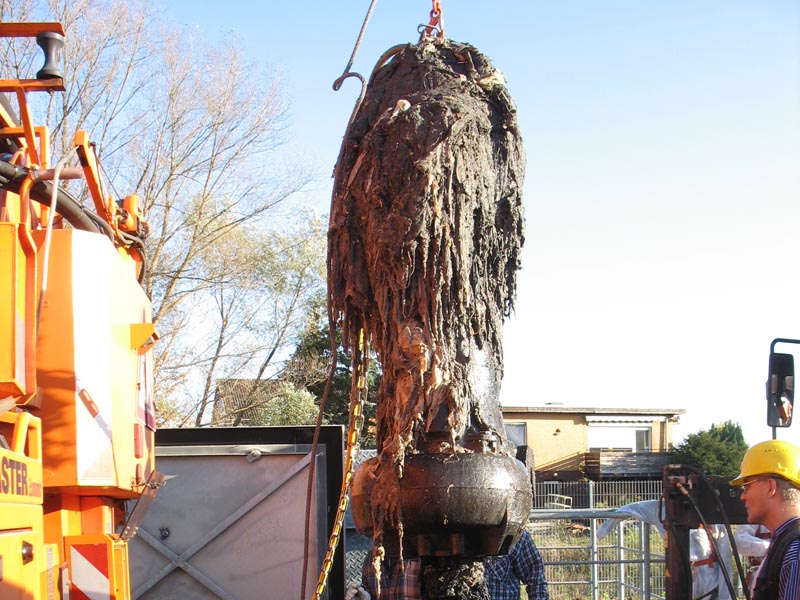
x: 644, y: 440
x: 611, y: 438
x: 517, y: 433
x: 623, y: 435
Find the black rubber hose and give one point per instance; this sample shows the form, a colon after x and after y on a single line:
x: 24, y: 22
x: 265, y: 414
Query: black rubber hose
x: 82, y: 218
x: 11, y: 177
x: 11, y: 174
x: 70, y: 208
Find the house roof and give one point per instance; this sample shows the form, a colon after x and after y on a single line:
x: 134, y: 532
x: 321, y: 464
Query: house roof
x: 616, y: 412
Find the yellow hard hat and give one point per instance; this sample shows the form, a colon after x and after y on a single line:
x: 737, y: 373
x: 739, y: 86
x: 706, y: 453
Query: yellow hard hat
x: 773, y: 457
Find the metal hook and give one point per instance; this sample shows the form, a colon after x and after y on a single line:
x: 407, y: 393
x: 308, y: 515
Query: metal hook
x: 346, y: 73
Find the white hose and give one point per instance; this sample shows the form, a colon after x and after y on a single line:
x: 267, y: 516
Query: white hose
x: 48, y: 232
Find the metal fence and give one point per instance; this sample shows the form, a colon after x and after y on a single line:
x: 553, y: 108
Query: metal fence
x: 596, y: 494
x: 627, y: 564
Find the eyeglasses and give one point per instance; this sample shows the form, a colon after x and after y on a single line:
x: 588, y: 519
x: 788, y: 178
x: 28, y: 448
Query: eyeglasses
x: 743, y: 487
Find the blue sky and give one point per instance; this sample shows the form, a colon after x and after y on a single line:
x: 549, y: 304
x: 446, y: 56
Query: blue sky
x: 662, y: 192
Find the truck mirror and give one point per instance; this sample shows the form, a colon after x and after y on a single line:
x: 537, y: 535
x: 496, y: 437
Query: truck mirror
x: 780, y: 390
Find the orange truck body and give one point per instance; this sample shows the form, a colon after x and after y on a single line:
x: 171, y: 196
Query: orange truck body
x: 76, y: 398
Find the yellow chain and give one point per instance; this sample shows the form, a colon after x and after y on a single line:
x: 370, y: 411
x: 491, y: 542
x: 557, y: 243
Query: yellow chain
x: 353, y: 431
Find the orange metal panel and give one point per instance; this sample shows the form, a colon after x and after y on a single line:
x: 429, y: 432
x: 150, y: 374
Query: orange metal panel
x: 17, y: 313
x: 122, y: 575
x: 32, y: 85
x: 55, y: 373
x: 95, y: 384
x: 62, y: 517
x: 97, y: 515
x: 29, y: 29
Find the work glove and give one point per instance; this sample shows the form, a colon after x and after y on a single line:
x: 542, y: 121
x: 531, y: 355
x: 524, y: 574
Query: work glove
x: 357, y: 593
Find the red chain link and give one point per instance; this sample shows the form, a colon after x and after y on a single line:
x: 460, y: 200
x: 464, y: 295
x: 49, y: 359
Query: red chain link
x: 437, y: 21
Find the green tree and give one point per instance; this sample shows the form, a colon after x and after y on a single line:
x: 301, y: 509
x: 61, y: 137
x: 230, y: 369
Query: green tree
x: 261, y: 288
x: 717, y: 451
x: 310, y: 365
x: 291, y: 406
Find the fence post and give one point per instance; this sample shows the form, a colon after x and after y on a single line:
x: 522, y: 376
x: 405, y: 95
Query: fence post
x: 593, y: 559
x: 595, y: 554
x: 646, y: 560
x: 620, y: 558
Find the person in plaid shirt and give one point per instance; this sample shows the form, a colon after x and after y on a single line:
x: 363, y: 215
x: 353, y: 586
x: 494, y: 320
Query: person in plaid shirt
x: 504, y: 575
x: 398, y: 581
x: 523, y: 563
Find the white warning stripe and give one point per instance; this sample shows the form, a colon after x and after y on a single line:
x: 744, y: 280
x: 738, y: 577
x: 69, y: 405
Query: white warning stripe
x: 87, y: 578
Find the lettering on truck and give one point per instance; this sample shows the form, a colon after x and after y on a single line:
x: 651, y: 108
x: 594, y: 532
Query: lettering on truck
x: 14, y: 479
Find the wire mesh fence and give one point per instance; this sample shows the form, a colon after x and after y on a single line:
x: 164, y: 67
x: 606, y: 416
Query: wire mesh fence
x: 628, y: 563
x: 595, y: 494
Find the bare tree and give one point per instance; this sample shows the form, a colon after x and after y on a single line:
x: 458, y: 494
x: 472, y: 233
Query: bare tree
x: 195, y: 131
x: 263, y: 287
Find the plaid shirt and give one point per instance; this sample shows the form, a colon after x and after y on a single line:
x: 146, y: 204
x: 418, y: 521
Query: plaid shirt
x: 523, y: 562
x: 399, y: 581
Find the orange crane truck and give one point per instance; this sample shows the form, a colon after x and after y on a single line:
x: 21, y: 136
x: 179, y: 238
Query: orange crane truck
x: 76, y: 399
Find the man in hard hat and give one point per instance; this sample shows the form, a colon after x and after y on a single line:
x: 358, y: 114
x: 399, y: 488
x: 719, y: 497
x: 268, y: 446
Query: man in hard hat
x: 770, y: 483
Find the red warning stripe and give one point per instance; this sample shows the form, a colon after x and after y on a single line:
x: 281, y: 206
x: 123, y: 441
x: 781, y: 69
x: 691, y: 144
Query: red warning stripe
x: 89, y: 574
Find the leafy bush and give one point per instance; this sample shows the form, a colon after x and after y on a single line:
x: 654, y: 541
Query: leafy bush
x: 717, y: 451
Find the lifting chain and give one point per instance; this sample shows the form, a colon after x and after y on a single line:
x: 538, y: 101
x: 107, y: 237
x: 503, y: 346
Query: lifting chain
x: 357, y: 398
